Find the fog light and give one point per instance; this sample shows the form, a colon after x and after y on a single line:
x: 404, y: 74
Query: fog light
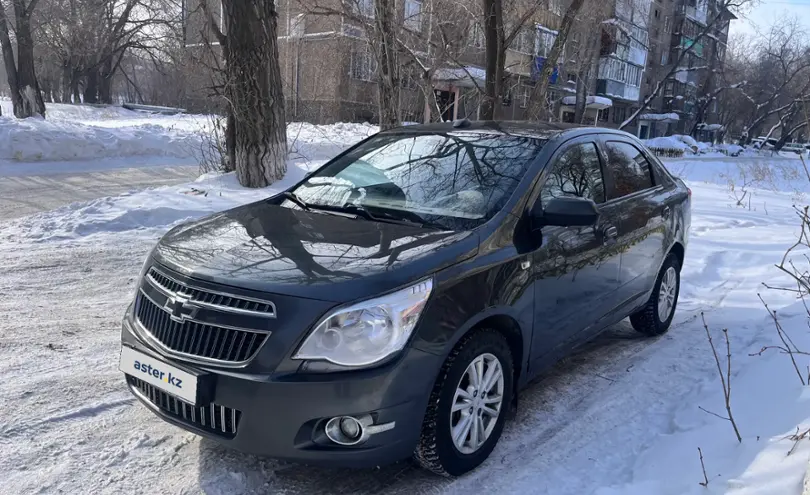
x: 345, y: 430
x: 350, y: 427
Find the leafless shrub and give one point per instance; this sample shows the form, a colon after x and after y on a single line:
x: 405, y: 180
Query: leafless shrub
x: 211, y: 153
x: 705, y: 481
x: 788, y: 346
x: 725, y: 377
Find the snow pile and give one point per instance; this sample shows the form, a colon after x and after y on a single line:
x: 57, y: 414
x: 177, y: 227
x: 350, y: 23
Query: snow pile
x: 319, y: 142
x: 81, y: 132
x: 34, y: 140
x: 160, y: 208
x: 600, y: 101
x: 310, y: 145
x: 659, y: 116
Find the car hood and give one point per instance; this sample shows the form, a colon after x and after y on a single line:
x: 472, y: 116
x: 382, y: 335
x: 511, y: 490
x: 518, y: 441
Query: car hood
x: 309, y: 254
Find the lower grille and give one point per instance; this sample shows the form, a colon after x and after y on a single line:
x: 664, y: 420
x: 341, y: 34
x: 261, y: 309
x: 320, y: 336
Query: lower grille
x: 198, y: 339
x: 220, y: 420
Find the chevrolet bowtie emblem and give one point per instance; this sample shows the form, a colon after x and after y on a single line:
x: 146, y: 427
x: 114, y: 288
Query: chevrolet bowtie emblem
x: 180, y: 308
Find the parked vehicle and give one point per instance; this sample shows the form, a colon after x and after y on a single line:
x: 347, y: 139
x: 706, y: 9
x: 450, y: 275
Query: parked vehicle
x: 394, y: 302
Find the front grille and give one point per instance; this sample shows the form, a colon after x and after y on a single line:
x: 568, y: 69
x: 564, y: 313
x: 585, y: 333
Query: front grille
x: 227, y: 302
x: 220, y: 420
x: 197, y: 339
x: 200, y: 324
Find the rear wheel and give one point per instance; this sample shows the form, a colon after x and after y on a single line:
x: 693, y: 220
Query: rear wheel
x: 468, y: 405
x: 655, y: 317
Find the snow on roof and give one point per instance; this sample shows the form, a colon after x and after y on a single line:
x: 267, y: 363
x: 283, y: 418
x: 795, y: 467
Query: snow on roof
x: 459, y: 73
x: 711, y: 127
x: 619, y: 24
x: 666, y: 143
x: 659, y: 116
x: 590, y: 100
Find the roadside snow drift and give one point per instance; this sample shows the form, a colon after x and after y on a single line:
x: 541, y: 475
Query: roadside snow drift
x: 81, y: 132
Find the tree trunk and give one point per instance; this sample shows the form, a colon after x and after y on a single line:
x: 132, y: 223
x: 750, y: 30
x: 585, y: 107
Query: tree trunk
x: 74, y: 88
x: 105, y: 89
x: 254, y: 90
x: 25, y: 95
x: 538, y: 109
x: 105, y: 81
x: 91, y: 88
x: 27, y: 85
x: 493, y: 16
x: 8, y: 60
x: 388, y: 85
x: 67, y: 75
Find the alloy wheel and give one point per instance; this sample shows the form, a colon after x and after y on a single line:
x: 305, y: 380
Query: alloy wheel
x: 477, y: 403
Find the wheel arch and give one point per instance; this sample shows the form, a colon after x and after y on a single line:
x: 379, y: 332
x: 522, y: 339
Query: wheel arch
x: 507, y: 324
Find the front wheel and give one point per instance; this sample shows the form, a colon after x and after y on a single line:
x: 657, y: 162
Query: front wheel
x: 655, y: 317
x: 468, y: 405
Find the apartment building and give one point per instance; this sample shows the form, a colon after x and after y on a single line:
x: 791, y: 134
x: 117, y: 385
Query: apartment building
x: 687, y: 101
x: 329, y: 69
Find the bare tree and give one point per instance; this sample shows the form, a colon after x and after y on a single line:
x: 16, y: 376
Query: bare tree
x: 257, y: 146
x: 715, y: 21
x: 22, y: 81
x: 537, y: 105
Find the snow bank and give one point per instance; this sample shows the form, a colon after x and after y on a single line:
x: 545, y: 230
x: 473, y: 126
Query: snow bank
x: 659, y: 116
x: 34, y: 140
x: 666, y: 143
x: 80, y: 132
x: 160, y: 208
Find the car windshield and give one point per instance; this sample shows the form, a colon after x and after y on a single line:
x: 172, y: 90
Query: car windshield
x: 457, y: 180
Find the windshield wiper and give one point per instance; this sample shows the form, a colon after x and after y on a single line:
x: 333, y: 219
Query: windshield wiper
x: 295, y: 199
x: 389, y: 216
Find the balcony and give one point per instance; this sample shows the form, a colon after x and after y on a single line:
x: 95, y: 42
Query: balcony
x: 697, y: 14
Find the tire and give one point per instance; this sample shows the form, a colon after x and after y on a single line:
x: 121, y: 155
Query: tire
x: 648, y: 319
x: 436, y: 450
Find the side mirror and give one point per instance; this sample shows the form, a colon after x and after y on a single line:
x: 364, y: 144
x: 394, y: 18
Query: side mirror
x: 566, y: 212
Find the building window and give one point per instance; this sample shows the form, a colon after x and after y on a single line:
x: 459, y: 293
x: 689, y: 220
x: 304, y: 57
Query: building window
x: 364, y: 7
x: 476, y: 36
x: 667, y: 24
x: 413, y: 14
x: 619, y: 114
x: 524, y: 41
x: 545, y: 40
x: 657, y: 14
x: 352, y: 30
x: 363, y: 64
x: 612, y: 68
x: 603, y: 115
x: 634, y: 75
x: 523, y: 93
x: 664, y: 58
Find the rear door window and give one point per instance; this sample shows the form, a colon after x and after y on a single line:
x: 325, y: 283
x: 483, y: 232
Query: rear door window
x: 629, y: 168
x: 576, y: 173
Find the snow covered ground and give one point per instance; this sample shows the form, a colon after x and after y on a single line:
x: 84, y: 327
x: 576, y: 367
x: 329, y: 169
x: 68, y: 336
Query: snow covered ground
x: 619, y: 417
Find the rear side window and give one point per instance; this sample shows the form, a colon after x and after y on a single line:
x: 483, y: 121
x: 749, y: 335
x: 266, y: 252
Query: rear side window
x: 576, y: 173
x: 629, y: 168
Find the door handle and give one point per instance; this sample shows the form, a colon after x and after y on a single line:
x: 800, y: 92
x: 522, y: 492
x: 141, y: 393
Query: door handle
x: 666, y: 212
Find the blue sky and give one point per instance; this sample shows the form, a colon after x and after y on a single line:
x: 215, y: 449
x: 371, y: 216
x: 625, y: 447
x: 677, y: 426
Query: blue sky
x: 768, y: 11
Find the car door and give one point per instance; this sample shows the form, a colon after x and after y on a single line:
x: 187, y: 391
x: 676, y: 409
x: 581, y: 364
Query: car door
x: 575, y: 269
x: 642, y: 208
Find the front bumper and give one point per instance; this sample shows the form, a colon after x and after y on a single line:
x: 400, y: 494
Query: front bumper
x: 283, y: 416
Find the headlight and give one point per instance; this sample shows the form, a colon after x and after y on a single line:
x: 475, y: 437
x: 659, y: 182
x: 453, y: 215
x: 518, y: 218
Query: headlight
x: 367, y: 332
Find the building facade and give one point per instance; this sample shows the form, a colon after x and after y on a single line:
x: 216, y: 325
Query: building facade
x: 614, y: 58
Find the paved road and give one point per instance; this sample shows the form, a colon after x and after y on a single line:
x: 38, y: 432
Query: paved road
x: 24, y: 195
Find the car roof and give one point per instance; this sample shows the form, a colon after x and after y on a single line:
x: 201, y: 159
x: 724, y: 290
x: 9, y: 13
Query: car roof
x: 545, y: 130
